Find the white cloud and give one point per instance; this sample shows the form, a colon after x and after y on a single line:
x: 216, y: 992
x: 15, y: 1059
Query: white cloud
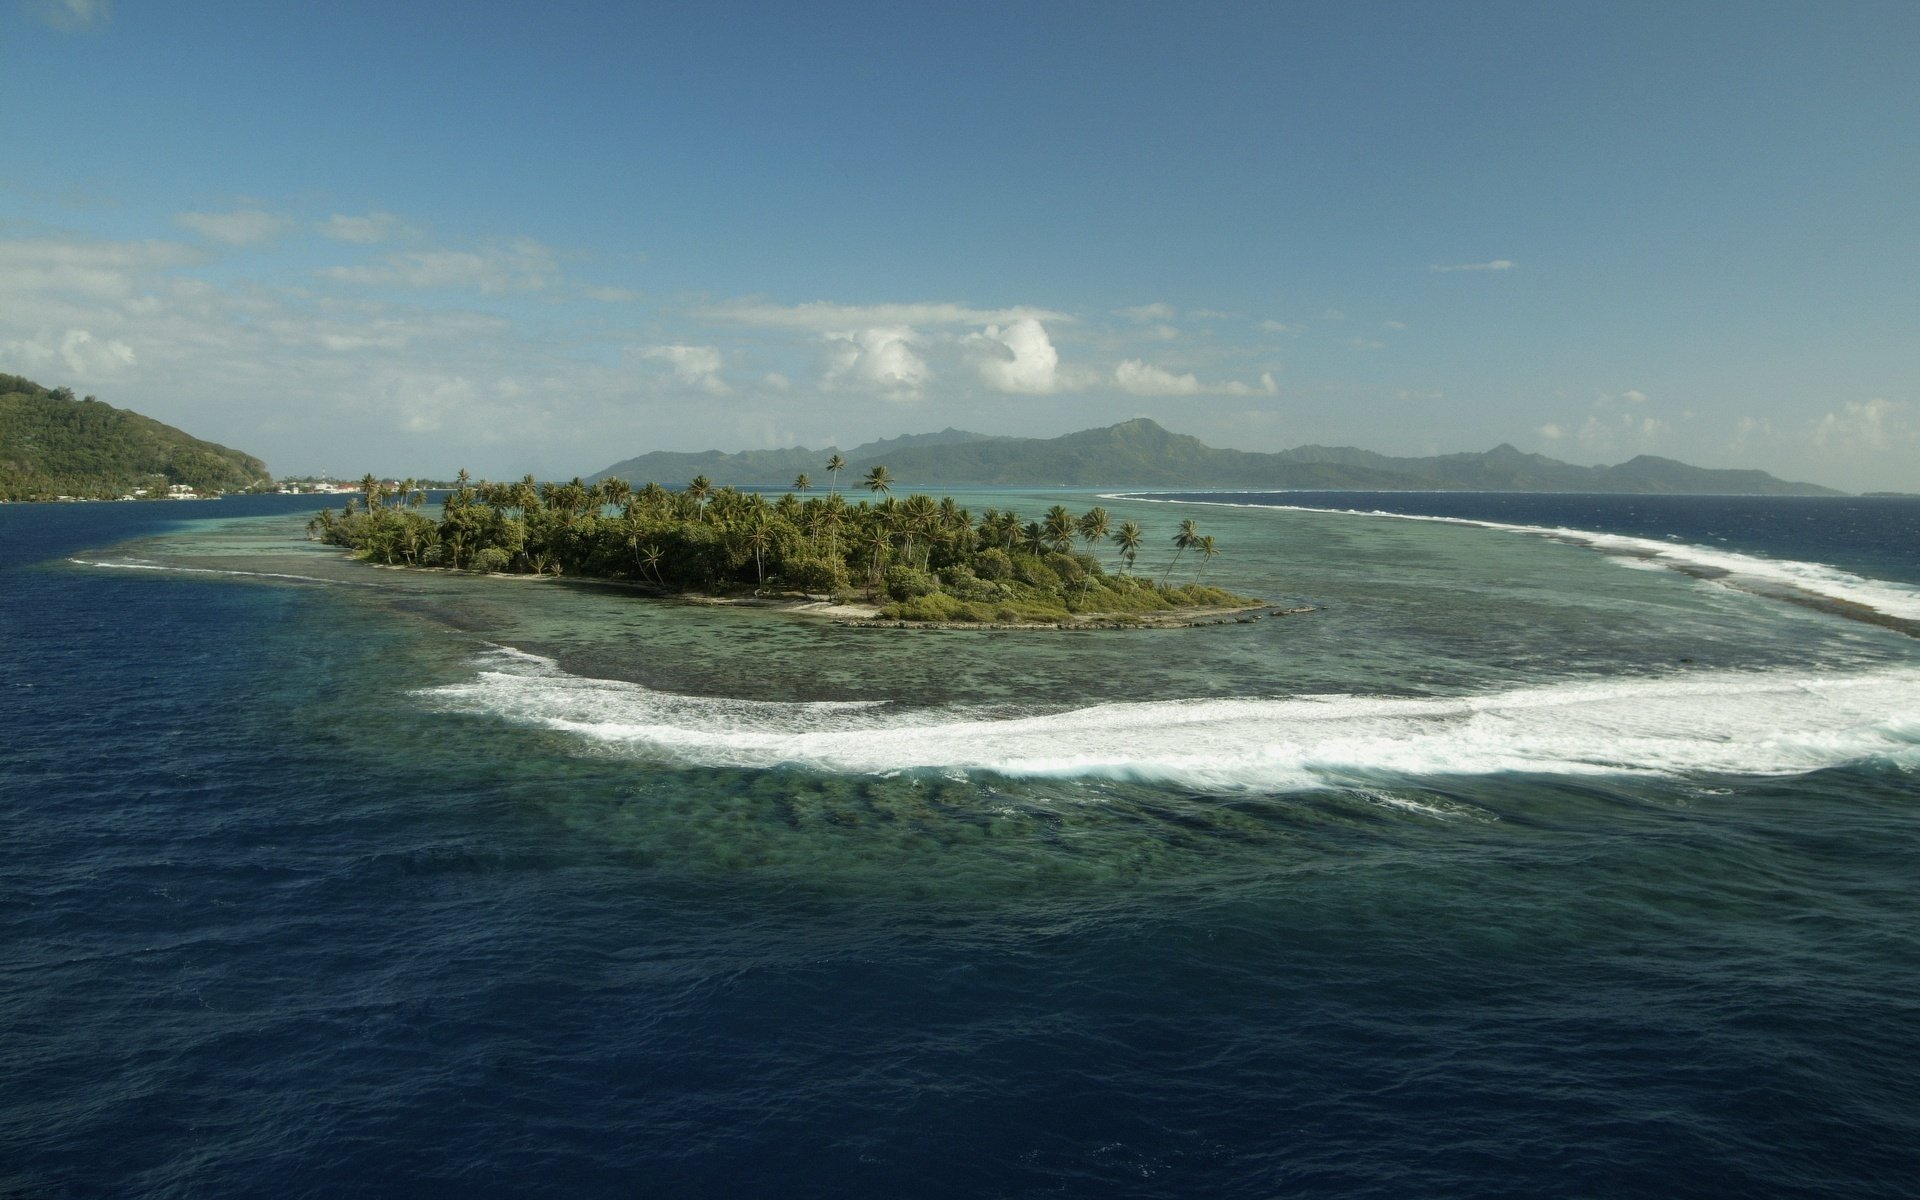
x: 75, y: 15
x: 1278, y: 327
x: 521, y: 265
x: 1552, y: 432
x: 1143, y: 379
x: 1149, y: 312
x: 833, y: 319
x: 1874, y: 425
x: 1498, y: 264
x: 33, y: 270
x: 695, y: 366
x: 1393, y: 325
x: 610, y: 295
x: 242, y: 227
x: 881, y: 359
x: 1019, y: 358
x: 1415, y: 394
x: 362, y: 231
x: 1367, y: 343
x: 1629, y: 430
x: 778, y: 382
x: 76, y: 353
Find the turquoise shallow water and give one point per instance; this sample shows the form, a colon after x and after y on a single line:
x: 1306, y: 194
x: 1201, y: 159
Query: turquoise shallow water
x: 1521, y: 865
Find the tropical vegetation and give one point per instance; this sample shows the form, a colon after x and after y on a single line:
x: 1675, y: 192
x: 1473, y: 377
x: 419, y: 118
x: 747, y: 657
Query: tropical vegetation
x: 919, y: 559
x: 53, y: 445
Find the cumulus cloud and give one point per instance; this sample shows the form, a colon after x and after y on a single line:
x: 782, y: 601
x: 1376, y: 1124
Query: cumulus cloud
x: 695, y: 366
x: 362, y: 231
x: 1552, y: 432
x: 1143, y: 379
x: 1627, y: 429
x: 1874, y: 425
x: 1019, y: 358
x: 1149, y: 312
x: 883, y: 359
x: 1498, y: 264
x: 833, y: 319
x: 77, y: 352
x: 521, y: 265
x: 242, y: 227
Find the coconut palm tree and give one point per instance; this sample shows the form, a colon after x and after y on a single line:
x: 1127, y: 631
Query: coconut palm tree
x: 1128, y: 538
x: 1094, y: 527
x: 878, y: 481
x: 1060, y: 528
x: 1185, y: 540
x: 836, y: 464
x: 802, y: 482
x: 919, y: 515
x: 1207, y: 552
x: 649, y: 557
x: 759, y: 537
x: 700, y: 489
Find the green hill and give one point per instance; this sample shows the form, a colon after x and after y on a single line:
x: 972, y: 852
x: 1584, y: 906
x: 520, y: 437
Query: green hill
x: 1139, y: 453
x: 54, y: 445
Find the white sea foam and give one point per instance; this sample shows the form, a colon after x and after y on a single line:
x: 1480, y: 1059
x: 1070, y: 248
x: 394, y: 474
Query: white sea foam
x: 1720, y: 722
x: 1748, y: 571
x: 141, y: 566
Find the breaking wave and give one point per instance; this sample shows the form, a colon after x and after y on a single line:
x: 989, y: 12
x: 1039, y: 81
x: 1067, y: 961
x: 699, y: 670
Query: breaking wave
x: 1735, y: 723
x: 1780, y: 578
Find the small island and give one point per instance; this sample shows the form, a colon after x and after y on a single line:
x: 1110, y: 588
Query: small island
x: 918, y: 561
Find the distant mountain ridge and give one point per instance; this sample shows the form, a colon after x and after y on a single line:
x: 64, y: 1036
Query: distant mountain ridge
x: 1140, y: 453
x: 53, y: 445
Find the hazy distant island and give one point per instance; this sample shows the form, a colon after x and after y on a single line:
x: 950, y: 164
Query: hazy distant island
x: 1140, y: 453
x: 56, y: 447
x: 915, y: 561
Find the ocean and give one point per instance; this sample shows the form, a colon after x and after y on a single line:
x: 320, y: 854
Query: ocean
x: 1567, y: 846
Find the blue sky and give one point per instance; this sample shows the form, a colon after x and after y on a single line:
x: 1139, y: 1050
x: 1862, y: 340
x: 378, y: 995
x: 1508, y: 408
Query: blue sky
x: 542, y: 238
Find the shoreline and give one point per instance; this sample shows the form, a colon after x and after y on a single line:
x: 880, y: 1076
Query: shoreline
x: 860, y: 615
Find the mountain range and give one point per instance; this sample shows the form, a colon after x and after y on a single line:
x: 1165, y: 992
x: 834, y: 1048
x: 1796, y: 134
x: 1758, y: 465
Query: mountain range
x: 1140, y: 453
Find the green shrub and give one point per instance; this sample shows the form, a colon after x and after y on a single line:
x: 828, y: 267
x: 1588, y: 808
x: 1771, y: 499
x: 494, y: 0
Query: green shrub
x: 493, y: 558
x: 814, y: 574
x: 908, y: 583
x: 993, y: 564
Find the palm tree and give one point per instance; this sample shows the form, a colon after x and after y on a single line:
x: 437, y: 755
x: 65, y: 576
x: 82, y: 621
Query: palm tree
x: 700, y: 489
x: 649, y: 557
x: 836, y: 464
x: 1094, y: 527
x: 877, y: 539
x: 759, y: 536
x: 1186, y: 539
x: 802, y: 482
x: 1128, y: 539
x: 918, y: 515
x: 877, y: 480
x: 1207, y: 552
x: 1033, y: 538
x: 1060, y: 528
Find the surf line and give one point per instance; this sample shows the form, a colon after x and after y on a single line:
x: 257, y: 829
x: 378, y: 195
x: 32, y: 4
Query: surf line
x: 133, y: 566
x: 1816, y: 586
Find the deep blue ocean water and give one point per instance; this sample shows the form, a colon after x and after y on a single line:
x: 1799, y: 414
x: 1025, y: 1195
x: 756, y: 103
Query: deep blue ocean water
x: 1517, y: 868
